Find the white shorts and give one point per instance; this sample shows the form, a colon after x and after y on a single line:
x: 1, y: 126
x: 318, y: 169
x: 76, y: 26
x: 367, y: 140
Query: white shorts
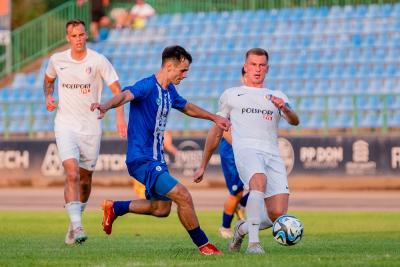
x: 84, y: 148
x: 250, y: 161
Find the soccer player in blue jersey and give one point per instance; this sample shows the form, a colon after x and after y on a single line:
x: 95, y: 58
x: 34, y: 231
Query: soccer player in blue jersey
x: 151, y: 99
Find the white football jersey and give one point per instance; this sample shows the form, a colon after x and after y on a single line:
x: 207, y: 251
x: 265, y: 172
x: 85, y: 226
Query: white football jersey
x: 80, y: 83
x: 253, y: 116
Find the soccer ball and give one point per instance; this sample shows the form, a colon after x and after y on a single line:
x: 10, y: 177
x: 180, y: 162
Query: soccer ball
x: 287, y: 230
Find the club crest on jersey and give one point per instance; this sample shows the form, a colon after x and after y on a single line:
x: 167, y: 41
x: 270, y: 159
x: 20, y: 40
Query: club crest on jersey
x: 158, y: 101
x: 268, y: 97
x: 88, y: 70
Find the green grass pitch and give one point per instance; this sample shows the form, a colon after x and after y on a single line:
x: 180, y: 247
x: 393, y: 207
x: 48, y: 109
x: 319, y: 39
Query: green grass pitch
x: 330, y: 239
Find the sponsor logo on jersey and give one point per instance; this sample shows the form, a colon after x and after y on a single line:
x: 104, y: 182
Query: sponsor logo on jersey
x: 75, y: 86
x: 257, y: 111
x: 266, y: 113
x: 241, y: 94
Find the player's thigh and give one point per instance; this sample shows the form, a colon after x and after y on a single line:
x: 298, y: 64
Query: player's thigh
x: 277, y: 182
x: 164, y: 184
x: 89, y: 148
x: 67, y: 145
x: 248, y: 163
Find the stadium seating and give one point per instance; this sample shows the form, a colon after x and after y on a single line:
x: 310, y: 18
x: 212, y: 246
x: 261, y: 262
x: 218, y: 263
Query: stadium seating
x: 327, y: 60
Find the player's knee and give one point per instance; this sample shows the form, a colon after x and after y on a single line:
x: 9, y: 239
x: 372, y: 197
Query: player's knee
x: 162, y: 210
x: 72, y: 176
x: 258, y: 182
x: 183, y: 196
x: 275, y: 213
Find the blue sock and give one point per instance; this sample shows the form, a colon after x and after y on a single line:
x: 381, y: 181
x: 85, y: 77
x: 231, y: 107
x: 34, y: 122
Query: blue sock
x: 121, y: 207
x: 243, y: 200
x: 226, y: 220
x: 198, y: 236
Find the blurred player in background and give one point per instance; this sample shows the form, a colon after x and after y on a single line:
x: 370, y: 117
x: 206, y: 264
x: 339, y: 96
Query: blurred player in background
x: 80, y: 72
x: 255, y: 113
x: 151, y: 100
x: 235, y: 201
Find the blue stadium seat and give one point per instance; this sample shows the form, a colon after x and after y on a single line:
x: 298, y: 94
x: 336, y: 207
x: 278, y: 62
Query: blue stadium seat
x: 394, y: 119
x: 371, y: 119
x: 334, y: 52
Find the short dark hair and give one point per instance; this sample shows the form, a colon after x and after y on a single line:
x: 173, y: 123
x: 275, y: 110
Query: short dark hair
x: 258, y: 52
x: 243, y: 71
x: 74, y: 22
x: 177, y: 53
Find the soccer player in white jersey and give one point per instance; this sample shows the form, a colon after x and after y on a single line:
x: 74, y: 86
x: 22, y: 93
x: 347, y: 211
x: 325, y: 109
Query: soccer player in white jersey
x: 255, y: 112
x: 80, y: 72
x: 151, y: 99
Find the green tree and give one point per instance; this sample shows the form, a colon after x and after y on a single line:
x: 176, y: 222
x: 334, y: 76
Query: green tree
x: 22, y: 11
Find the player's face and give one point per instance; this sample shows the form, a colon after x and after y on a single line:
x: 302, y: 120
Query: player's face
x: 256, y: 67
x: 178, y: 71
x: 76, y: 37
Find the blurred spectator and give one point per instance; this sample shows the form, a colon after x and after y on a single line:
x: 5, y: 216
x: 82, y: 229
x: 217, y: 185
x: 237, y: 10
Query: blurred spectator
x: 120, y: 16
x: 139, y: 14
x: 135, y: 18
x: 100, y: 21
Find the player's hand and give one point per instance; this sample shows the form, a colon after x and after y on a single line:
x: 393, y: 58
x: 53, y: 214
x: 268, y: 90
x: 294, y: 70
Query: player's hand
x: 50, y: 103
x: 278, y: 102
x: 222, y: 123
x: 198, y: 175
x: 122, y: 128
x: 99, y: 107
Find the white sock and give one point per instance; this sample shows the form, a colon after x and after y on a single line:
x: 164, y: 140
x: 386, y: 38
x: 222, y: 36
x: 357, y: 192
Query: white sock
x: 74, y: 212
x: 265, y: 220
x: 265, y: 224
x: 254, y: 210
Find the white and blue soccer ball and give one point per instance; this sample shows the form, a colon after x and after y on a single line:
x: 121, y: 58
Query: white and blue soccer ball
x: 287, y: 230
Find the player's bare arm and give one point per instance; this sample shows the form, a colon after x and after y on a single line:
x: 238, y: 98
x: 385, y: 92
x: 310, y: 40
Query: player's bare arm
x: 194, y: 111
x: 118, y: 100
x: 48, y: 89
x: 213, y: 138
x: 290, y: 114
x: 120, y: 115
x: 228, y: 136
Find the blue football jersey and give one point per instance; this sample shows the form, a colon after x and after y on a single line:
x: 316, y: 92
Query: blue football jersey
x: 148, y: 115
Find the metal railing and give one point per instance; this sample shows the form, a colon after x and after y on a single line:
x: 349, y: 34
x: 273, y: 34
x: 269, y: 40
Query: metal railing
x: 181, y: 6
x: 27, y: 119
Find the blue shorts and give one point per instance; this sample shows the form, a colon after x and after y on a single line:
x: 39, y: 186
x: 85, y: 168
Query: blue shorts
x: 154, y: 175
x: 232, y: 179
